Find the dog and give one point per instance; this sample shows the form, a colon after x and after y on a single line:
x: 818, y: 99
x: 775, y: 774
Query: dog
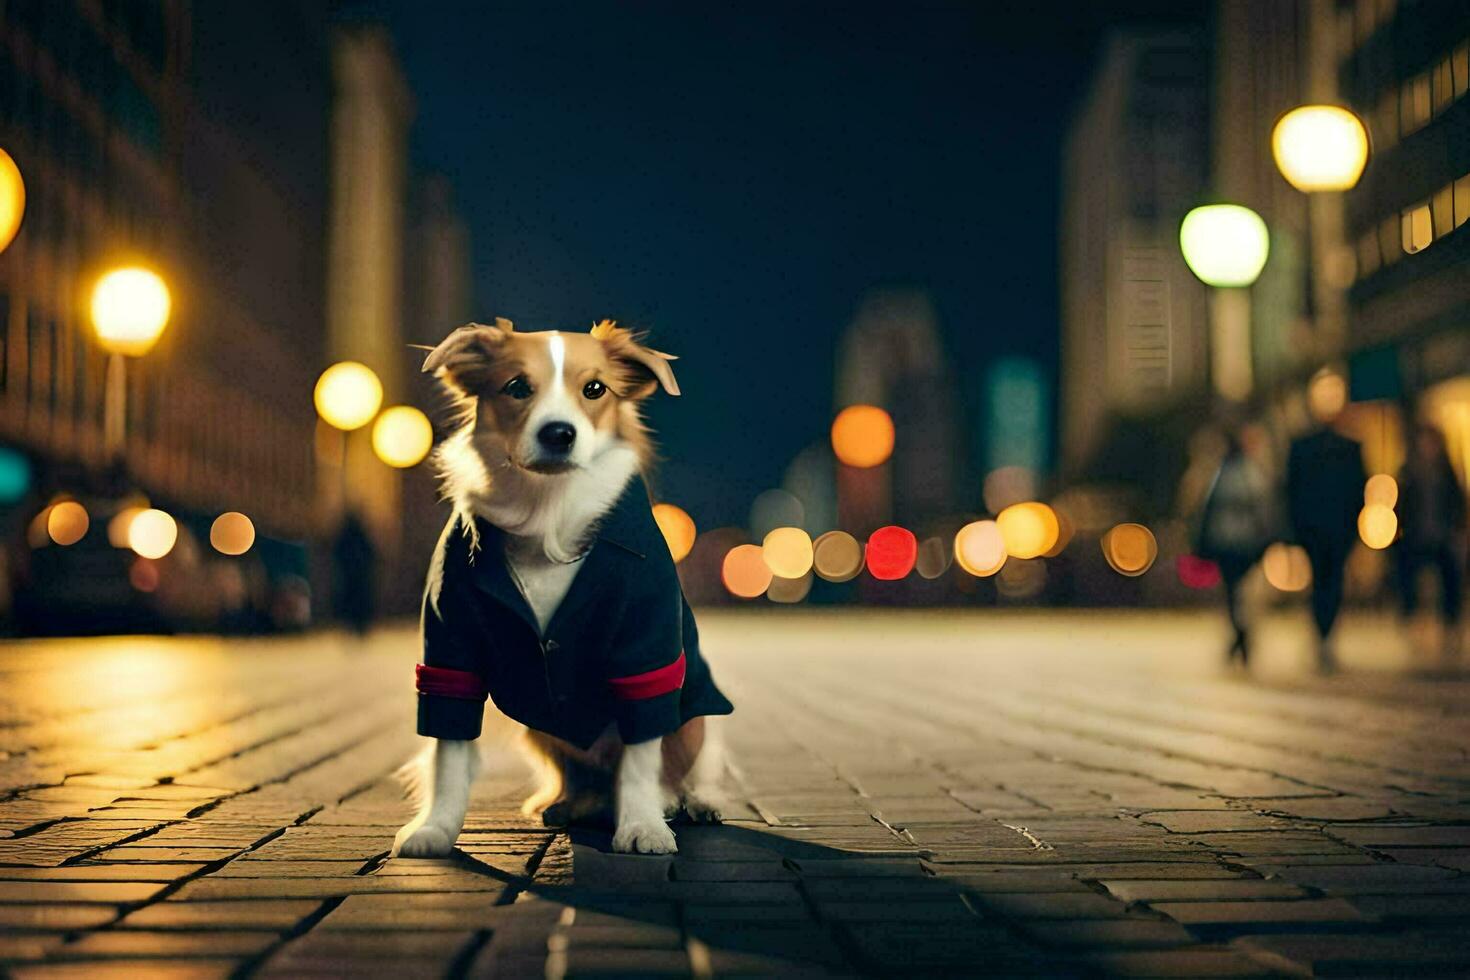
x: 553, y: 593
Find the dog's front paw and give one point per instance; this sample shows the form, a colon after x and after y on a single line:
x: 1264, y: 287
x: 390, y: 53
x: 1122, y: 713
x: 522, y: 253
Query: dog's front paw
x: 422, y: 841
x: 702, y: 809
x: 644, y: 837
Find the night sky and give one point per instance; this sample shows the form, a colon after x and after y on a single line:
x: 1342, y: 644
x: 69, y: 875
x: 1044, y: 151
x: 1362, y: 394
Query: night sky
x: 735, y: 180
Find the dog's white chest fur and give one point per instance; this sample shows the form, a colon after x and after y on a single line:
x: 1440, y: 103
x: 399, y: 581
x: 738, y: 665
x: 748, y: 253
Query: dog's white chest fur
x: 543, y: 582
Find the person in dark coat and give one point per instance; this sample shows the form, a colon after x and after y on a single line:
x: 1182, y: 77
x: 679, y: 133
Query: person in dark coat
x: 355, y: 565
x: 1431, y: 509
x: 1324, y: 493
x: 622, y: 648
x: 1236, y: 525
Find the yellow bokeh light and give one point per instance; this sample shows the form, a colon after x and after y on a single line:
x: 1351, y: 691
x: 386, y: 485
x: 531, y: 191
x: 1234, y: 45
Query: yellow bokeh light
x: 980, y: 548
x: 1320, y: 148
x: 402, y: 436
x: 232, y: 533
x: 1130, y: 549
x: 788, y: 552
x: 1030, y: 529
x: 347, y: 395
x: 678, y: 529
x: 745, y: 572
x: 1224, y: 244
x: 862, y: 436
x: 1287, y: 567
x: 153, y: 533
x: 12, y: 199
x: 67, y: 522
x: 130, y: 308
x: 837, y: 556
x: 1377, y: 526
x: 1381, y: 489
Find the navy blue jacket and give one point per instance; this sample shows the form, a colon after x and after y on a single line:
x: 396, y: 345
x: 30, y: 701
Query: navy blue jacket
x: 621, y: 648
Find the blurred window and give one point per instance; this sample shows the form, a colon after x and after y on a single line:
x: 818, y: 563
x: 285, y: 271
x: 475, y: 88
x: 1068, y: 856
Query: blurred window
x: 1462, y: 200
x: 1368, y: 255
x: 1460, y: 68
x: 1443, y: 206
x: 1418, y: 230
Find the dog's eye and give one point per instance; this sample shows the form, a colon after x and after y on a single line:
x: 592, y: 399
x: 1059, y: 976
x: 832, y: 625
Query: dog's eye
x: 594, y: 389
x: 518, y: 388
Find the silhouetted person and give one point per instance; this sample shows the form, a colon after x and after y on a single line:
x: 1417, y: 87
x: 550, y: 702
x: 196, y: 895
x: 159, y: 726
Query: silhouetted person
x: 355, y: 562
x: 1324, y: 493
x: 1431, y: 509
x: 1236, y: 525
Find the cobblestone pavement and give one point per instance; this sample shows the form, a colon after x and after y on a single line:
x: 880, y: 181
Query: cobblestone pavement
x: 1003, y: 794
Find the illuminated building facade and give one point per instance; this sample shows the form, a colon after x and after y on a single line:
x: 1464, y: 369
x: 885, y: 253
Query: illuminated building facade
x: 1134, y: 336
x: 1405, y: 68
x: 192, y: 140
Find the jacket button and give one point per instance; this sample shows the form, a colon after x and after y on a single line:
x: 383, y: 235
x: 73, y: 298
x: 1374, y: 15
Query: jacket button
x: 552, y: 646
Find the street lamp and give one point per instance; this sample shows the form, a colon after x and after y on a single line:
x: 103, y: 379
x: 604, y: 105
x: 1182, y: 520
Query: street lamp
x: 12, y: 199
x: 130, y: 308
x: 1226, y: 246
x: 1320, y: 148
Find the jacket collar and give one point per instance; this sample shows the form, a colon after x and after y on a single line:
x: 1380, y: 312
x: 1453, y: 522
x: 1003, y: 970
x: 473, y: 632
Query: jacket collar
x: 626, y: 526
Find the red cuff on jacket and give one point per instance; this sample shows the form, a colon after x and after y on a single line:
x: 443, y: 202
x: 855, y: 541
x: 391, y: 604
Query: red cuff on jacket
x: 650, y: 684
x: 446, y: 683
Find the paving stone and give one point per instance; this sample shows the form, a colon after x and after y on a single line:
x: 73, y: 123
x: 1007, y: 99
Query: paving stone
x: 1204, y: 821
x: 1107, y: 933
x: 205, y: 889
x: 112, y: 892
x: 714, y: 871
x: 60, y: 917
x: 1204, y: 890
x: 101, y: 872
x: 267, y: 915
x: 1261, y: 912
x: 139, y: 942
x: 1183, y: 962
x: 1065, y: 905
x: 1369, y: 879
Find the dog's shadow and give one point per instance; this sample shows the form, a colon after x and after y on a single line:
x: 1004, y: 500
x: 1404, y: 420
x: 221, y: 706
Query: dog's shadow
x: 741, y: 900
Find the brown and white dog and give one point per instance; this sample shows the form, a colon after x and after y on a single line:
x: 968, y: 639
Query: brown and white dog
x: 551, y: 438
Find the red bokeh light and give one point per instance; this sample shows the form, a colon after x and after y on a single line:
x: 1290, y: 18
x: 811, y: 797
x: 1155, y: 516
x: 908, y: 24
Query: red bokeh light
x: 892, y: 552
x: 1196, y: 572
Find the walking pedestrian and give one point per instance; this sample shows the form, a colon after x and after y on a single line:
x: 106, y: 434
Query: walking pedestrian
x: 354, y: 558
x: 1324, y: 492
x: 1432, y: 517
x: 1236, y: 524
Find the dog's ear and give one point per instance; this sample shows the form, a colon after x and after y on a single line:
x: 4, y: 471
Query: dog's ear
x: 462, y: 360
x: 644, y: 368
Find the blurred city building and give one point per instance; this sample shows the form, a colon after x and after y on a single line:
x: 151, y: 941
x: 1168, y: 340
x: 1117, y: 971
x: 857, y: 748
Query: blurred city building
x: 190, y: 141
x: 891, y: 356
x: 255, y: 157
x: 1134, y: 346
x: 1405, y: 68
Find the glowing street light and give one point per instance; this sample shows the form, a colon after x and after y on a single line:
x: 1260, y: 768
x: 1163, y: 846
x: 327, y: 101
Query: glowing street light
x: 130, y: 308
x: 1224, y: 244
x: 348, y: 395
x: 1320, y: 148
x: 153, y: 533
x: 12, y: 199
x: 402, y: 436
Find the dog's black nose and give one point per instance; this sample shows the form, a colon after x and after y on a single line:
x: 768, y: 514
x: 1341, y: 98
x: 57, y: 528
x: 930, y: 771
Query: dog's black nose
x: 557, y: 436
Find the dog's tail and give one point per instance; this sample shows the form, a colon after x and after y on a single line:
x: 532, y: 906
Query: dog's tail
x: 416, y: 776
